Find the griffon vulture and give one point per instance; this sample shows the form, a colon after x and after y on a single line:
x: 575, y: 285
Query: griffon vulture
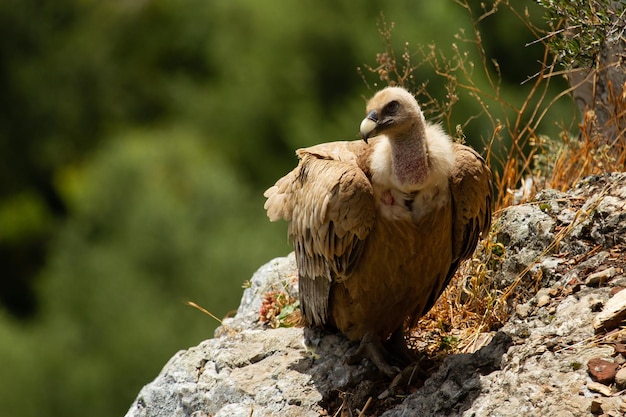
x: 380, y: 226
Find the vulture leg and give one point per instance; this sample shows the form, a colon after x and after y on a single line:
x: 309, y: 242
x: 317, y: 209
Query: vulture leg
x: 397, y: 347
x: 372, y: 348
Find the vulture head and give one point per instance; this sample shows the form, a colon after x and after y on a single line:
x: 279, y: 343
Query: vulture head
x: 404, y: 155
x: 394, y: 112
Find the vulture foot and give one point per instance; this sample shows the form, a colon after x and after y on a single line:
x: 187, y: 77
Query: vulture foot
x: 372, y: 348
x: 397, y: 347
x: 407, y: 376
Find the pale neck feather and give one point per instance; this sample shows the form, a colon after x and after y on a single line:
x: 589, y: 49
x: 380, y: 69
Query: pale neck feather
x: 410, y: 167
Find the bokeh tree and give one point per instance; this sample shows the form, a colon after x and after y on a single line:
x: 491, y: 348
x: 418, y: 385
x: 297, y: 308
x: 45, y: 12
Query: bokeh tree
x: 157, y: 220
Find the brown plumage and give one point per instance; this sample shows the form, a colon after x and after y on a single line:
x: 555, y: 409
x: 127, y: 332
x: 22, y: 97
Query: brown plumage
x: 380, y: 226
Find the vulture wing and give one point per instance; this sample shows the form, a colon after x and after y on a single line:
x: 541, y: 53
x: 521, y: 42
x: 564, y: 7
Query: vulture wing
x: 472, y: 194
x: 329, y: 204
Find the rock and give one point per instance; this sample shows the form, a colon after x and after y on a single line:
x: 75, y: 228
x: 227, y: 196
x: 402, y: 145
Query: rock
x: 456, y: 384
x: 600, y: 388
x: 523, y: 222
x: 620, y: 378
x: 596, y: 407
x: 264, y: 372
x: 543, y: 300
x: 515, y: 228
x: 522, y: 310
x: 279, y: 274
x: 250, y: 369
x: 596, y: 305
x: 599, y: 278
x: 619, y: 281
x: 613, y: 314
x: 602, y: 371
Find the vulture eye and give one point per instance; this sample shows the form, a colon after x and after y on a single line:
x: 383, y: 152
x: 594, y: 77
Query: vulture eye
x: 392, y: 107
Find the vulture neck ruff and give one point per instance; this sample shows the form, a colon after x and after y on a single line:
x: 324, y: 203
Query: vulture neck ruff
x: 431, y: 193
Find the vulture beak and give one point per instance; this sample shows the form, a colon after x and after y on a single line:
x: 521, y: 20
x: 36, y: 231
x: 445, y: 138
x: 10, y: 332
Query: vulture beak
x: 369, y: 125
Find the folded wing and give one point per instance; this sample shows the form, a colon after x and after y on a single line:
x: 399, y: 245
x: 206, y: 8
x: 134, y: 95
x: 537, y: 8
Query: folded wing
x: 329, y: 204
x: 472, y: 195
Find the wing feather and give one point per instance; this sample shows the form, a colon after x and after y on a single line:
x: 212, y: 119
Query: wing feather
x: 472, y: 195
x: 329, y: 204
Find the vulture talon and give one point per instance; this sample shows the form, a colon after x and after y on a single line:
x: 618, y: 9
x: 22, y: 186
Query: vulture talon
x: 371, y: 348
x: 403, y: 379
x: 380, y: 226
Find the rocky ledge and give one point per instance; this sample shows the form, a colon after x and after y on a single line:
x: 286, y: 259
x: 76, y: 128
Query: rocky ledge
x: 561, y: 352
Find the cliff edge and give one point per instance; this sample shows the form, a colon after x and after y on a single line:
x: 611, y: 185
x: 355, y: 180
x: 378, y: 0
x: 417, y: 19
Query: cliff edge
x: 561, y: 353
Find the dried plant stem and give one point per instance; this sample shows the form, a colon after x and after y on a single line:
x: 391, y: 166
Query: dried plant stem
x: 204, y: 310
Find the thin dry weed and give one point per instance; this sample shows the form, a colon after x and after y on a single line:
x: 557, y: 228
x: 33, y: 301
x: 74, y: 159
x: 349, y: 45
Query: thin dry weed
x: 204, y: 310
x: 589, y: 153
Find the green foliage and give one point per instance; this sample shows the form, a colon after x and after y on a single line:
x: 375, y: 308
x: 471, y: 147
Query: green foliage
x: 159, y: 220
x: 22, y: 216
x: 545, y: 207
x: 581, y: 27
x: 448, y: 342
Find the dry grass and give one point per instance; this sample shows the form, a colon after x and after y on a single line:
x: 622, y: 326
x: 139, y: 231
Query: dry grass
x: 589, y: 153
x: 520, y: 158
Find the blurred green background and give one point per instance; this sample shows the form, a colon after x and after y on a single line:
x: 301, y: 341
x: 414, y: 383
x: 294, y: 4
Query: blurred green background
x: 136, y: 139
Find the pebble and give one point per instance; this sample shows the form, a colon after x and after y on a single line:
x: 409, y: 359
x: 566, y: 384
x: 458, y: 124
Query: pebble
x: 596, y: 407
x: 522, y: 310
x: 620, y: 348
x: 602, y: 370
x: 599, y: 388
x: 543, y: 300
x: 599, y: 278
x: 596, y: 305
x: 620, y: 378
x: 613, y: 314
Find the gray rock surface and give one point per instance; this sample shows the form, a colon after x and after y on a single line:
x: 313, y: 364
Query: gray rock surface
x: 535, y: 365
